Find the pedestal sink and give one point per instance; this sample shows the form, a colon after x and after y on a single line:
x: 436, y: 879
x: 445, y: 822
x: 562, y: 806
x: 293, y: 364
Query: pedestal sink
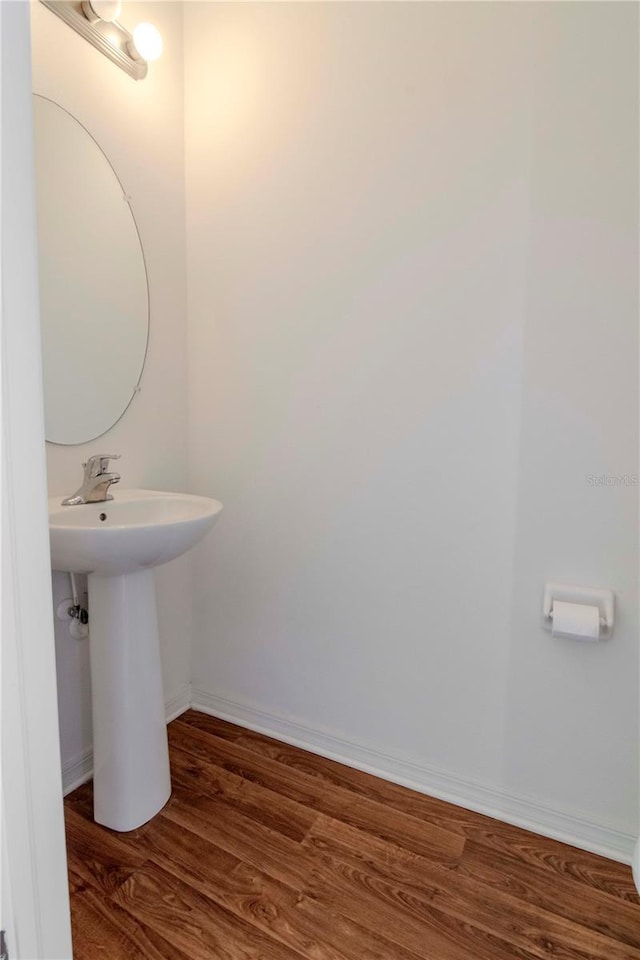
x: 117, y: 543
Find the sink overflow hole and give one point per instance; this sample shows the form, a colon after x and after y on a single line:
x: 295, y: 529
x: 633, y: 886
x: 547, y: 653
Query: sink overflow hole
x: 103, y: 516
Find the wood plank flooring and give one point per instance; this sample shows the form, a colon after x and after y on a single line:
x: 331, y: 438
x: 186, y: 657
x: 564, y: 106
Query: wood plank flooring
x: 265, y: 852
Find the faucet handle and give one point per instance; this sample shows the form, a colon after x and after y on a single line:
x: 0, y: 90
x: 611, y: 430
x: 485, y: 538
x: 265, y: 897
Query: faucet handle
x: 98, y: 463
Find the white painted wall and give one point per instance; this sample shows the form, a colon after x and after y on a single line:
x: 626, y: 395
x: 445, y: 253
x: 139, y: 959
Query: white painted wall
x: 572, y: 731
x: 412, y: 262
x: 140, y: 128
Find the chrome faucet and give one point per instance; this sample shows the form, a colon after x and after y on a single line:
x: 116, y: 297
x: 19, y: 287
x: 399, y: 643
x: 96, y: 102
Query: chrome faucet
x: 97, y: 481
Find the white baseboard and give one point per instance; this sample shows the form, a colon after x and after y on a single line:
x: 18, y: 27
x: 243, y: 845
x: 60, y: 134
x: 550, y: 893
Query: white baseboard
x: 180, y: 702
x: 483, y: 798
x: 635, y: 865
x: 79, y: 769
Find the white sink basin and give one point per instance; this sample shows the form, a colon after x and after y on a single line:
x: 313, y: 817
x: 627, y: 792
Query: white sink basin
x: 117, y: 543
x: 136, y: 530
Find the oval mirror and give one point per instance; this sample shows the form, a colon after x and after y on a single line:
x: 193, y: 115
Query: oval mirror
x: 94, y: 298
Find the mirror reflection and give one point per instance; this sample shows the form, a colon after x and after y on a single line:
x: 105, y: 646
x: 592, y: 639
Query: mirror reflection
x: 94, y: 301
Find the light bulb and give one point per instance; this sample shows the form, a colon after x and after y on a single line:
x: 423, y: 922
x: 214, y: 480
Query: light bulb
x: 147, y: 41
x: 106, y: 10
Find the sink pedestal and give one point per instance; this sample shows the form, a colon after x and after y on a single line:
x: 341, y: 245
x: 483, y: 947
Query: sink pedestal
x: 131, y: 780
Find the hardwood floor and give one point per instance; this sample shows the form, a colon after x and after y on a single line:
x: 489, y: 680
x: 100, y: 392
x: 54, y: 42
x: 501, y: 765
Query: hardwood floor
x: 265, y: 852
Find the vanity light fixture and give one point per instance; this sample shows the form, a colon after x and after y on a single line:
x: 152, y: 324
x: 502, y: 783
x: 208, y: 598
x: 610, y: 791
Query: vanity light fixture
x: 97, y: 22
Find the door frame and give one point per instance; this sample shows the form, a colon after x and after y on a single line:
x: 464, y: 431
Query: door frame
x: 35, y: 898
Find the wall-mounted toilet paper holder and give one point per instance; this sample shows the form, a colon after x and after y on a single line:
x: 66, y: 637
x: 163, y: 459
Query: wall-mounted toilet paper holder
x: 589, y: 596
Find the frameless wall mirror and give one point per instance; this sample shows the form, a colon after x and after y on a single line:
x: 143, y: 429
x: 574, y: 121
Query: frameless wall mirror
x: 94, y: 298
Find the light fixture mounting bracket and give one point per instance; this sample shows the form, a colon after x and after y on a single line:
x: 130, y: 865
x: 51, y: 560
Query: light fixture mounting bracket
x: 110, y: 38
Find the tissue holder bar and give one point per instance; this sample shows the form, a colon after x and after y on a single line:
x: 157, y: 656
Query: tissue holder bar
x: 591, y: 596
